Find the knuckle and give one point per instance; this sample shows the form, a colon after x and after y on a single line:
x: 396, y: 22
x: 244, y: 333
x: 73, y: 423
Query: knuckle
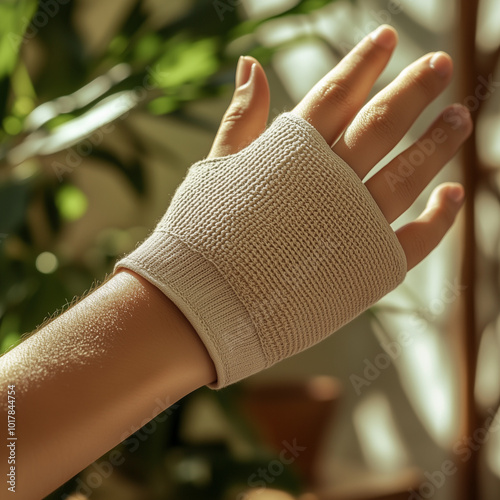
x: 337, y: 94
x: 383, y: 122
x: 420, y: 247
x: 405, y: 190
x: 235, y: 113
x: 407, y: 185
x: 424, y: 83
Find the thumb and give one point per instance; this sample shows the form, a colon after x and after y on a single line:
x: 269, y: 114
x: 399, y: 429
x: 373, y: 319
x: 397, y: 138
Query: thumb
x: 246, y: 117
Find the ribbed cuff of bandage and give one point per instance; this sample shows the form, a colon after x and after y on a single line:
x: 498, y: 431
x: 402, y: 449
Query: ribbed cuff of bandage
x: 209, y: 303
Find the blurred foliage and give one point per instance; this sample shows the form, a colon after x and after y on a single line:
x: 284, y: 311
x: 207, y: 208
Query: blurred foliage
x: 55, y: 94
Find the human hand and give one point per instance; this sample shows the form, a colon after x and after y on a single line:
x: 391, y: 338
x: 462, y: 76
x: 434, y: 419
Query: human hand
x: 274, y: 242
x: 364, y: 135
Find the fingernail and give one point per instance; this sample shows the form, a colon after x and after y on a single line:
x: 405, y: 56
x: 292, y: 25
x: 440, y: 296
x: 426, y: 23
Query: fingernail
x: 243, y: 71
x: 441, y: 64
x: 455, y: 193
x: 384, y: 36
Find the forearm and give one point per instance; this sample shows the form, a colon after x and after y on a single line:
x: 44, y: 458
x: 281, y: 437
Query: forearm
x: 94, y: 374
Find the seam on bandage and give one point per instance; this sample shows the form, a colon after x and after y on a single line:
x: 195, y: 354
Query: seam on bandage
x: 213, y: 337
x: 221, y: 274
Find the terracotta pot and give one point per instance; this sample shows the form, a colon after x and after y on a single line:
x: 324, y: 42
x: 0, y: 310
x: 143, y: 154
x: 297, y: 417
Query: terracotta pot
x: 292, y: 417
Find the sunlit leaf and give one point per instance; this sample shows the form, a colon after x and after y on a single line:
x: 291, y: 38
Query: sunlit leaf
x: 23, y: 105
x: 302, y: 7
x: 15, y: 16
x: 186, y: 62
x: 9, y: 340
x: 71, y: 202
x: 118, y: 45
x: 163, y: 105
x: 12, y: 125
x: 147, y: 48
x: 9, y: 331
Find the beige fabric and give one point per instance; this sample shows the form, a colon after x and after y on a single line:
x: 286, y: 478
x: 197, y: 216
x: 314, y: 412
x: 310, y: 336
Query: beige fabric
x: 270, y: 250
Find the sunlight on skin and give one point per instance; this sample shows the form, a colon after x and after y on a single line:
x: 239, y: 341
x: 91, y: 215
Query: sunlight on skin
x: 92, y: 375
x: 99, y: 368
x: 69, y: 134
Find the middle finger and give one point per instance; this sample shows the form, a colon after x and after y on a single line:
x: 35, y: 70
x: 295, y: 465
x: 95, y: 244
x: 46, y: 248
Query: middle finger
x: 334, y: 101
x: 384, y: 121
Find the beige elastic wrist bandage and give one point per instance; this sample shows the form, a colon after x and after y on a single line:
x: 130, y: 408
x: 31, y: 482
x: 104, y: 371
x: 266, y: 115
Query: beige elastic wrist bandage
x: 270, y: 250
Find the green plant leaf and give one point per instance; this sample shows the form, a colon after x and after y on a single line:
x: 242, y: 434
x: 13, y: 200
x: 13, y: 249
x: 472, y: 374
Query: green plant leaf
x: 71, y: 202
x: 186, y: 61
x: 15, y: 17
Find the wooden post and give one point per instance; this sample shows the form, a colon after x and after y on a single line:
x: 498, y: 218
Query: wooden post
x: 469, y: 337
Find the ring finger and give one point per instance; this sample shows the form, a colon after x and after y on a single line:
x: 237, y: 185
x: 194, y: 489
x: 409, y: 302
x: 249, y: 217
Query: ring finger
x: 398, y: 184
x: 384, y: 121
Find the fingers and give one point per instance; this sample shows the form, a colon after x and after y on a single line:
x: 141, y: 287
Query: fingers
x: 384, y: 121
x: 246, y: 117
x: 420, y: 237
x: 398, y: 184
x: 335, y: 100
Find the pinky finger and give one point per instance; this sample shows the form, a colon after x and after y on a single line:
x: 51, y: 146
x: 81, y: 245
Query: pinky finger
x: 420, y: 237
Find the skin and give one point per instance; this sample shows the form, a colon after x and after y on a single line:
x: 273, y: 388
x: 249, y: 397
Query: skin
x: 125, y: 352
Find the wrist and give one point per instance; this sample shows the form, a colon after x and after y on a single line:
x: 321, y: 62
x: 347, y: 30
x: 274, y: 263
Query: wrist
x: 174, y: 343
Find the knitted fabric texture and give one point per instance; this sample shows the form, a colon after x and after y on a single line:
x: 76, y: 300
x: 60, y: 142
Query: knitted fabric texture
x: 270, y: 250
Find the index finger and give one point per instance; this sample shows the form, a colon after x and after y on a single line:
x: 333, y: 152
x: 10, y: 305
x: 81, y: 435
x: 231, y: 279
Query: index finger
x: 334, y: 101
